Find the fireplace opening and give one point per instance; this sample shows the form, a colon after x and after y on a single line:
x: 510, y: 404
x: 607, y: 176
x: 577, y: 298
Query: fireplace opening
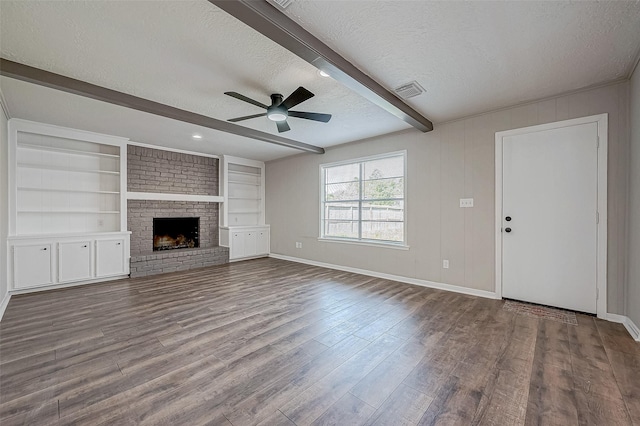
x: 175, y: 233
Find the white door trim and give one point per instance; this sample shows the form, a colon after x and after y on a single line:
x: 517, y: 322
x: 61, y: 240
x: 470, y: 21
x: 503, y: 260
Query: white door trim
x: 601, y: 275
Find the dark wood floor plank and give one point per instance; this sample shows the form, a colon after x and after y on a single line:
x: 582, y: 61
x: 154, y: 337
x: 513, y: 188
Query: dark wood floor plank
x: 310, y: 404
x: 405, y: 406
x: 288, y: 387
x: 626, y: 368
x: 348, y: 410
x: 552, y: 391
x: 376, y: 386
x: 277, y: 419
x: 278, y: 343
x: 615, y: 336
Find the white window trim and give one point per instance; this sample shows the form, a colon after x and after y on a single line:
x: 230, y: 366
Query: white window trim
x: 364, y: 242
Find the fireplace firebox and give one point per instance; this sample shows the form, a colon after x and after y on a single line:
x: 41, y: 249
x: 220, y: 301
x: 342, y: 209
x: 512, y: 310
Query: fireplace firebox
x: 175, y: 233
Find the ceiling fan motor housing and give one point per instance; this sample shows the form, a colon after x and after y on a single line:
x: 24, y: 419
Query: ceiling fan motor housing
x: 276, y: 112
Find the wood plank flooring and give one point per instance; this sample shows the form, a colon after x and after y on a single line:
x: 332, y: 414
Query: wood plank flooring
x: 271, y: 342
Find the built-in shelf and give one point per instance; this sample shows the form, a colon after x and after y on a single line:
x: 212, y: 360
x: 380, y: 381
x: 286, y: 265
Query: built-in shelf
x: 235, y: 172
x: 242, y: 217
x: 65, y: 181
x: 66, y: 169
x: 65, y: 199
x: 66, y: 150
x: 244, y: 183
x: 174, y: 197
x: 79, y: 191
x: 69, y: 211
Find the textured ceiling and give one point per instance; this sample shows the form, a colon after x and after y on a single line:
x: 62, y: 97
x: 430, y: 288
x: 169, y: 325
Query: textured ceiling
x: 473, y: 57
x: 469, y: 56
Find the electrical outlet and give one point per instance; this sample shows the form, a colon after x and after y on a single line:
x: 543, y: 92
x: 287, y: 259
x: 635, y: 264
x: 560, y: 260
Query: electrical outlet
x: 298, y: 244
x: 466, y: 202
x: 445, y: 264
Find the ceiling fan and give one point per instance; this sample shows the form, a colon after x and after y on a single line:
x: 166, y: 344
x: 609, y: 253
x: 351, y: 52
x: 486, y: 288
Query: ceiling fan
x: 278, y: 111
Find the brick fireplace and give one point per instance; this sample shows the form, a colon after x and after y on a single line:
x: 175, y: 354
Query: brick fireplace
x: 157, y: 171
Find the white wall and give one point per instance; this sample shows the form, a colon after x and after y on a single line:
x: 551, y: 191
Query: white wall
x: 633, y: 275
x: 4, y: 146
x: 454, y: 161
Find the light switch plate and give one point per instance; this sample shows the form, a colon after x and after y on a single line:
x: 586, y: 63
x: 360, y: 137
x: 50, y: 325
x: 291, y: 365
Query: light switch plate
x: 466, y: 202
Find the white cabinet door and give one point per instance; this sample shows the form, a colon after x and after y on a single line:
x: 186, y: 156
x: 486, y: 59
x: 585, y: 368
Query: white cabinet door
x: 74, y: 261
x: 237, y: 245
x: 109, y: 257
x: 32, y: 265
x: 250, y: 243
x: 262, y: 245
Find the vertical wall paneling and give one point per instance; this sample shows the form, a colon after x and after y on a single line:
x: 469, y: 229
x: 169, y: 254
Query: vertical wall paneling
x: 454, y: 161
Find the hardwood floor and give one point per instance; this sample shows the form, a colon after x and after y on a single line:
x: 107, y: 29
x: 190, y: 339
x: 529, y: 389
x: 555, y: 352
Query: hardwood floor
x: 277, y: 343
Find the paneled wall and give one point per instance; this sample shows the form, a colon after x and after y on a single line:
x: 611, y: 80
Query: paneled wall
x: 4, y: 212
x: 633, y: 277
x: 454, y: 161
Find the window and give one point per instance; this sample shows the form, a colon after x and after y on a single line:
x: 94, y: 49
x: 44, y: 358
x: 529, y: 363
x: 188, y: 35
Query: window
x: 363, y: 200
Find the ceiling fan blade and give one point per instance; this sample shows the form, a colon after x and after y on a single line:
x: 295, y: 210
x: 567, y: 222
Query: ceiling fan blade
x: 311, y: 116
x: 298, y: 96
x: 246, y: 117
x: 244, y: 98
x: 283, y: 126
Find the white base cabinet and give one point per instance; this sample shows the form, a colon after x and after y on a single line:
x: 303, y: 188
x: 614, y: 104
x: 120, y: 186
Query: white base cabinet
x: 74, y: 261
x: 245, y: 241
x: 48, y: 262
x: 110, y: 257
x: 32, y: 265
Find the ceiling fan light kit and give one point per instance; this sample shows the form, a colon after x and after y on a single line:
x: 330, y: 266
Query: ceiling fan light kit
x: 279, y: 111
x: 275, y: 112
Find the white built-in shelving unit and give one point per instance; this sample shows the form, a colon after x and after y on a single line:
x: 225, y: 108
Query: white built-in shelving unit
x: 243, y: 227
x: 67, y: 205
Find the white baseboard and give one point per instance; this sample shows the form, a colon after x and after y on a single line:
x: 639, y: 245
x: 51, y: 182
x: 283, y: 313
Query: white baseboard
x: 633, y: 329
x: 407, y: 280
x: 4, y: 304
x: 60, y: 286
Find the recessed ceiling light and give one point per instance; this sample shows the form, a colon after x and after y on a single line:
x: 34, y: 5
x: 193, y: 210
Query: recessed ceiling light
x: 322, y: 73
x: 196, y: 136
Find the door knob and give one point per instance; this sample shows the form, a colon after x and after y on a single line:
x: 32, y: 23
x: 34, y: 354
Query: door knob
x: 507, y: 229
x: 508, y: 218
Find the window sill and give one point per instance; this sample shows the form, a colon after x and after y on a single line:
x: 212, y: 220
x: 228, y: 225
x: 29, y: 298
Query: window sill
x: 399, y: 246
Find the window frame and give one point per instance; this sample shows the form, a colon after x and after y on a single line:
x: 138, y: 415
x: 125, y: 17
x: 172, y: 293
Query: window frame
x: 364, y: 241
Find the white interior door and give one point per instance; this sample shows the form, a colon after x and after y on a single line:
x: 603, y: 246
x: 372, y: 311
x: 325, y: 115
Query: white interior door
x: 549, y: 208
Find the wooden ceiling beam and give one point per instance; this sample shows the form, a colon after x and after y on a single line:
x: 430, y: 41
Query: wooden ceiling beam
x: 41, y: 77
x: 269, y: 21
